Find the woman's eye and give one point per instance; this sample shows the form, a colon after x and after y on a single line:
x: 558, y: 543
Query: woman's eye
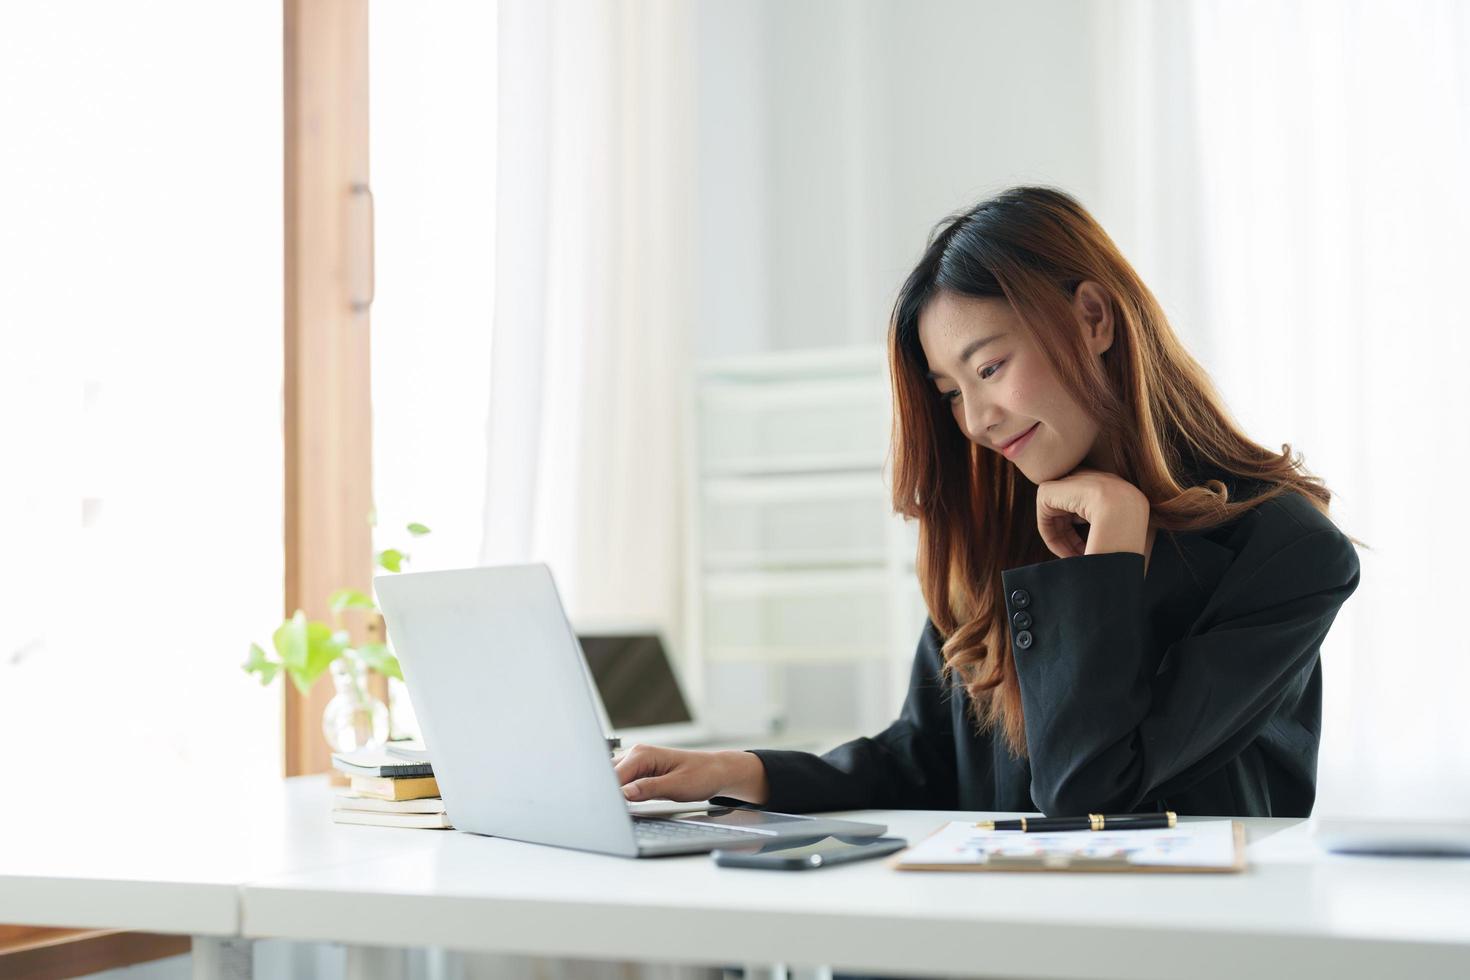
x: 990, y: 369
x: 948, y: 397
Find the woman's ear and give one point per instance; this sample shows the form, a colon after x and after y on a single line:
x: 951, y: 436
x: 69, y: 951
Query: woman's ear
x: 1094, y: 310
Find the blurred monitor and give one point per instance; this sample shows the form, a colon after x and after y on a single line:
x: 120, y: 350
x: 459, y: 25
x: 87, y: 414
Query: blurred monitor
x: 640, y: 693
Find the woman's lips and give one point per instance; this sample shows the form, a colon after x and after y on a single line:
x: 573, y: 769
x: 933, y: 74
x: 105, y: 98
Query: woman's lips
x: 1013, y: 448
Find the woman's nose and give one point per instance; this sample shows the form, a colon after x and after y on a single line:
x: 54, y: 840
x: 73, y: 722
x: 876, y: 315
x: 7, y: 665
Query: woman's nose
x: 978, y: 419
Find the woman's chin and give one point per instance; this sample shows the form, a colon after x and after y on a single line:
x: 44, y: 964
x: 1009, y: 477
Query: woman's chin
x: 1039, y: 473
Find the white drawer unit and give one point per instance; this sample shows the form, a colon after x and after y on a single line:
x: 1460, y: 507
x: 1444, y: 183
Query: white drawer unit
x: 796, y: 560
x: 794, y: 426
x: 804, y: 520
x: 795, y: 616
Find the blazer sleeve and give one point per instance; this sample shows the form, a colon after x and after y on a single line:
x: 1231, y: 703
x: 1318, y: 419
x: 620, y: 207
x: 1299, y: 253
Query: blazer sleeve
x: 1103, y: 735
x: 909, y: 765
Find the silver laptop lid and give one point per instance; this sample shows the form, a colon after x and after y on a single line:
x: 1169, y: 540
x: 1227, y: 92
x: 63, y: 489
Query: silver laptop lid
x: 500, y: 690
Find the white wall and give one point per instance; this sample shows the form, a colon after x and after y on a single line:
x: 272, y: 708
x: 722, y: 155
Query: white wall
x: 833, y: 135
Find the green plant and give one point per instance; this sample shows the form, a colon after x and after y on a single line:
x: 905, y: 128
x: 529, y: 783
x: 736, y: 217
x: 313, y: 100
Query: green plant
x: 305, y: 648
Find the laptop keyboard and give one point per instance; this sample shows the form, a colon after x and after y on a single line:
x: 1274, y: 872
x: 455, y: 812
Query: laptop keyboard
x: 667, y: 831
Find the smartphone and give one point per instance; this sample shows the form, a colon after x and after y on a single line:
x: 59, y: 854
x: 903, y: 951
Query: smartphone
x: 808, y: 854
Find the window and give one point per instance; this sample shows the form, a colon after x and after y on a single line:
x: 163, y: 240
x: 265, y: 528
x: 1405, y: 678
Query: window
x: 140, y: 386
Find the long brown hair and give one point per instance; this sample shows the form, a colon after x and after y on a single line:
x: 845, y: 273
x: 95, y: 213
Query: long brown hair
x: 1170, y: 434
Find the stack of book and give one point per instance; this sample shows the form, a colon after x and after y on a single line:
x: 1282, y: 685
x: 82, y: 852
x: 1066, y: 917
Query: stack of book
x: 390, y: 788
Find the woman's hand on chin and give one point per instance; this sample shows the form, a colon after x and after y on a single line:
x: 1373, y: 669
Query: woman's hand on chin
x: 1115, y: 510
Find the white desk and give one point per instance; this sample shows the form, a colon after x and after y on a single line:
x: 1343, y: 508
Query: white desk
x: 1294, y: 913
x: 167, y: 865
x: 281, y: 869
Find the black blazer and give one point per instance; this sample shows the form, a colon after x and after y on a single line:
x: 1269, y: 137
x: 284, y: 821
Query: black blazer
x: 1195, y: 688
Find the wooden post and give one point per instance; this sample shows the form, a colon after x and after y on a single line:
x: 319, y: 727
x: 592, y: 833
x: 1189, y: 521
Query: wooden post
x: 328, y: 290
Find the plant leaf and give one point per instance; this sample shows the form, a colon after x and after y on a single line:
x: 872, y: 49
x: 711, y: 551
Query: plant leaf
x: 323, y: 645
x: 307, y: 649
x: 302, y: 685
x: 257, y: 663
x: 289, y: 639
x: 350, y: 599
x: 377, y: 657
x: 417, y: 529
x: 391, y: 559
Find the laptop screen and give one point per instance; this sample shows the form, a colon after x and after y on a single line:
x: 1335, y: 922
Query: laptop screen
x: 635, y: 680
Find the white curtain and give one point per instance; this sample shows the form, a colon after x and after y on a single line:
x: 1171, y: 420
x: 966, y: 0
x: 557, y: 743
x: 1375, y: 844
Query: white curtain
x: 589, y: 356
x: 1293, y: 178
x: 589, y: 349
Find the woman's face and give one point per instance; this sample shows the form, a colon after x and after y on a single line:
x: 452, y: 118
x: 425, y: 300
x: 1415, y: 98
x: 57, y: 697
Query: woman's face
x: 1001, y: 390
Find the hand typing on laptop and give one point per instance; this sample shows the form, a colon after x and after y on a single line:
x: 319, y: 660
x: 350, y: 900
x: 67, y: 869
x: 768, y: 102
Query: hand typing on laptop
x: 651, y: 772
x: 500, y: 685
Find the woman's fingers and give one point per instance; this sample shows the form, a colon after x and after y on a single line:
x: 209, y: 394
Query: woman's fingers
x: 648, y: 773
x: 637, y: 762
x: 1061, y: 537
x: 1063, y: 504
x: 1058, y: 529
x: 651, y: 788
x: 1057, y: 507
x: 1117, y: 514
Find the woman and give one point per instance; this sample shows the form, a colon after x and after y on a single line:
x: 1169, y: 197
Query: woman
x: 1127, y: 596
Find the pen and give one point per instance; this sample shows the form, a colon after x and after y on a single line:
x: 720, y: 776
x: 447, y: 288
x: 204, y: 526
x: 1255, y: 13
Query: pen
x: 1093, y: 821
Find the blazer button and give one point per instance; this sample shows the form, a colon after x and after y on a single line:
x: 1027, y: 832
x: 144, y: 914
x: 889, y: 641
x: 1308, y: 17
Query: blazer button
x: 1023, y: 640
x: 1022, y: 620
x: 1020, y: 598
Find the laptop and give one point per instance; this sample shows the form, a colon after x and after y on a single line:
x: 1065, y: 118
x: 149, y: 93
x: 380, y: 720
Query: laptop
x: 1407, y: 836
x: 637, y: 686
x: 499, y: 687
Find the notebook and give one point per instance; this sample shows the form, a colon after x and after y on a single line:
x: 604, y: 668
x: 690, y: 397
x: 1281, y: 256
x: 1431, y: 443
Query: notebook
x: 380, y: 762
x: 1206, y: 845
x: 401, y: 788
x: 414, y: 821
x: 354, y: 801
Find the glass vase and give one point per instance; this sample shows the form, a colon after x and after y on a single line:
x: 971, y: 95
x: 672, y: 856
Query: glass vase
x: 355, y: 718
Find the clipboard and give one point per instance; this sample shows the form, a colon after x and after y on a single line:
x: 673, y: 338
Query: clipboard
x: 1203, y: 847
